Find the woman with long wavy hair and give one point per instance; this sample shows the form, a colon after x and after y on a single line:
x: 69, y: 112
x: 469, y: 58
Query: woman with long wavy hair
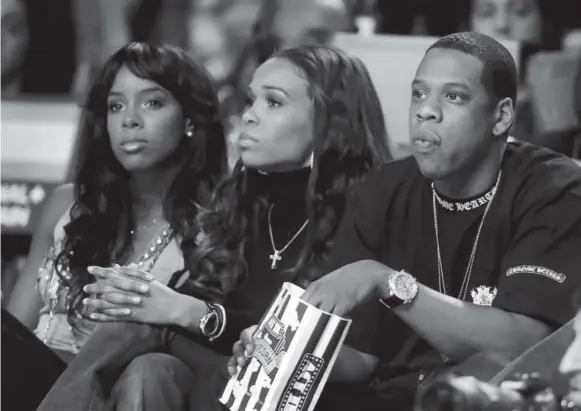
x: 152, y: 149
x: 313, y: 129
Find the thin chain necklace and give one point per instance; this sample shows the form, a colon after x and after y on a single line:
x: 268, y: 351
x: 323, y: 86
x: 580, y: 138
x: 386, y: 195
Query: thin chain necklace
x: 468, y: 273
x: 148, y: 224
x: 276, y: 256
x: 143, y: 227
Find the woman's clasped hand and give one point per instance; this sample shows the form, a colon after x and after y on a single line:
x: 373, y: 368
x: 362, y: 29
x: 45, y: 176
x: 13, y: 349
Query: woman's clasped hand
x: 126, y: 293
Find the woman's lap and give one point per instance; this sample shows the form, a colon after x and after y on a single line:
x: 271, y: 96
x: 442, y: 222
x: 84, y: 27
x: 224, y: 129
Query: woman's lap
x: 89, y: 378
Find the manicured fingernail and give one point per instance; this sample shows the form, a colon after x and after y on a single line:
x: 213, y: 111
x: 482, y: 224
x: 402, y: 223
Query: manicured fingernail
x: 135, y: 300
x: 93, y: 316
x: 91, y: 269
x: 149, y: 277
x: 143, y: 288
x: 126, y: 311
x: 85, y: 301
x: 85, y: 288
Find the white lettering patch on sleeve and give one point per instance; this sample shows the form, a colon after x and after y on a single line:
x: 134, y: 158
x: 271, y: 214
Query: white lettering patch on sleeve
x: 535, y: 269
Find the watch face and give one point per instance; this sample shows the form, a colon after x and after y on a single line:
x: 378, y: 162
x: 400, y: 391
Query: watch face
x: 404, y: 286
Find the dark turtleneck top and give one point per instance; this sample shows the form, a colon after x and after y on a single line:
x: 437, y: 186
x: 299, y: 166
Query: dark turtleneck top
x: 285, y: 192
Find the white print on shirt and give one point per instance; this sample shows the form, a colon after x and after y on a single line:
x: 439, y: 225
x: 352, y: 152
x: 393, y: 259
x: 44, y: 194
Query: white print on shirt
x: 535, y: 269
x: 483, y: 295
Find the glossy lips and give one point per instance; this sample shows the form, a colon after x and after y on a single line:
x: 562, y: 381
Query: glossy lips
x: 134, y: 146
x: 245, y: 140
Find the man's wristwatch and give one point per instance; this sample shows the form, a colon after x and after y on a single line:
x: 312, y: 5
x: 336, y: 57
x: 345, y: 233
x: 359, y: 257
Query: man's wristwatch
x: 403, y: 289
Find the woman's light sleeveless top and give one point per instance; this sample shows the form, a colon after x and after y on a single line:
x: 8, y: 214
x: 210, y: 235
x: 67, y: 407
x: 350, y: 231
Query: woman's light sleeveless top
x: 162, y: 258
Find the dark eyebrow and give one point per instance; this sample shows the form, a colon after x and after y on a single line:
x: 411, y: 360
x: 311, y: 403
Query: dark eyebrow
x: 266, y: 87
x: 449, y: 84
x: 144, y: 91
x: 457, y: 84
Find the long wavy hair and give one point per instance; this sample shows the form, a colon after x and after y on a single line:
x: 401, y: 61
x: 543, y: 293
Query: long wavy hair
x: 101, y: 216
x: 350, y: 139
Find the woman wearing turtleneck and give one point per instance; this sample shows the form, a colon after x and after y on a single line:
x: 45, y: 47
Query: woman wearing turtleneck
x: 284, y: 193
x: 312, y: 130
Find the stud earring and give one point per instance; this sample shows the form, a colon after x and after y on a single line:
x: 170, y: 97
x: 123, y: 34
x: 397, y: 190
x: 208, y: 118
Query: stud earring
x: 189, y: 133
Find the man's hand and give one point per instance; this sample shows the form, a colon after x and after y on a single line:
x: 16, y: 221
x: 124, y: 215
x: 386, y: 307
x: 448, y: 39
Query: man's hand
x: 344, y: 289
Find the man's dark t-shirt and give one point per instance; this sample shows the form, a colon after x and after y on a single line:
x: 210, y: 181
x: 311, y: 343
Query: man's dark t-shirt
x: 529, y: 251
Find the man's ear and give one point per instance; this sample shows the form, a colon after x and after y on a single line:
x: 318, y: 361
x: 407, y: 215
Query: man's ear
x: 504, y: 114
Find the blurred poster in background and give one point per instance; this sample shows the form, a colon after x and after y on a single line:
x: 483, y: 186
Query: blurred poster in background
x: 22, y: 204
x: 38, y: 141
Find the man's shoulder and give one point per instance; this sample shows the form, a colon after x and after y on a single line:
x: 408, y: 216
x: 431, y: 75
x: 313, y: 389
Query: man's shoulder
x: 382, y: 185
x: 531, y: 154
x: 393, y: 173
x: 540, y: 173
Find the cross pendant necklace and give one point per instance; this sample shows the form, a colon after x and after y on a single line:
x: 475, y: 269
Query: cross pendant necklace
x: 276, y: 256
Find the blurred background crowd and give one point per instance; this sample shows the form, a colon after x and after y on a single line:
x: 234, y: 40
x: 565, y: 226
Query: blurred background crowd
x: 51, y: 50
x: 53, y: 47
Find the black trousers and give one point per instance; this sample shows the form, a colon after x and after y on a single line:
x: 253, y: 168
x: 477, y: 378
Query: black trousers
x: 29, y: 368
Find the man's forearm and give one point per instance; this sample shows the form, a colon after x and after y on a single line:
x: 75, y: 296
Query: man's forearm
x: 459, y: 329
x: 352, y: 366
